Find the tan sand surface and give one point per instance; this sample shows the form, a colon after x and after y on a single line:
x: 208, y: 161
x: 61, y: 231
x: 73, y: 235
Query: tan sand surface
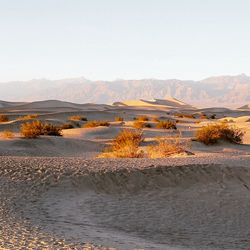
x: 54, y: 193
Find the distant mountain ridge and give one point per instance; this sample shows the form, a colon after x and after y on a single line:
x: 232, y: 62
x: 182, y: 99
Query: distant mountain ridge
x: 222, y: 91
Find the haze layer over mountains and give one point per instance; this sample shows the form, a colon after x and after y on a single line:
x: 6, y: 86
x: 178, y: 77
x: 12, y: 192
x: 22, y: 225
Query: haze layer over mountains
x: 222, y: 91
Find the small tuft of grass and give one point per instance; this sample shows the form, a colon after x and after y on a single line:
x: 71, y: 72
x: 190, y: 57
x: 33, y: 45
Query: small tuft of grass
x: 154, y: 119
x: 7, y: 134
x: 140, y: 124
x: 143, y: 118
x: 4, y: 118
x: 67, y: 126
x: 125, y: 145
x: 166, y: 124
x: 27, y: 117
x: 78, y: 118
x: 119, y: 119
x: 92, y: 124
x: 212, y: 133
x: 204, y: 117
x: 190, y: 116
x: 166, y: 147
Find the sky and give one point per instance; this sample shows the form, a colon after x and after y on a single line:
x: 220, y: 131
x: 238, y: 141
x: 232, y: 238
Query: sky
x: 129, y: 39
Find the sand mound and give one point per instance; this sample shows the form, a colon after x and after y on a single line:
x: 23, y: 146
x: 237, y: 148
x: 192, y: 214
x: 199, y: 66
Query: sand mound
x: 169, y: 103
x: 50, y: 146
x: 54, y: 105
x: 92, y: 133
x: 243, y: 119
x: 4, y: 104
x: 127, y: 203
x: 247, y: 106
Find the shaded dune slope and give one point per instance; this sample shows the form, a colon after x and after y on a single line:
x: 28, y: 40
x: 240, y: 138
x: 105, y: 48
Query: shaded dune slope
x: 131, y: 204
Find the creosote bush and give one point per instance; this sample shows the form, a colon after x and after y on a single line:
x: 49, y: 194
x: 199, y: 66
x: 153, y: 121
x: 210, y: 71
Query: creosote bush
x: 7, y: 134
x: 212, y: 133
x: 166, y: 124
x: 185, y: 116
x: 27, y: 117
x: 143, y: 118
x: 36, y: 128
x: 78, y: 118
x: 140, y: 124
x: 204, y: 117
x: 154, y: 119
x: 119, y: 119
x: 125, y: 145
x: 4, y: 118
x: 167, y: 146
x: 67, y: 126
x: 92, y: 124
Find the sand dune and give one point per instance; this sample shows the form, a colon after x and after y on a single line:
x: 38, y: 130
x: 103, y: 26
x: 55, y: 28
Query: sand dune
x: 247, y: 106
x: 55, y: 193
x: 127, y: 204
x: 168, y: 103
x: 4, y: 104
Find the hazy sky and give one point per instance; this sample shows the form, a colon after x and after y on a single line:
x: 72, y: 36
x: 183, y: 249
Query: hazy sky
x: 130, y: 39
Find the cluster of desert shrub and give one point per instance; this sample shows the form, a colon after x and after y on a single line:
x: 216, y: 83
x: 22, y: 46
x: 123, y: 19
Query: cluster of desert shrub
x: 27, y: 117
x: 118, y: 119
x: 125, y: 145
x: 204, y: 117
x: 142, y: 118
x: 190, y: 116
x: 167, y: 146
x: 154, y: 119
x: 92, y: 124
x: 78, y: 118
x: 166, y: 124
x: 212, y: 133
x: 67, y: 126
x: 7, y: 134
x: 4, y: 118
x: 36, y: 128
x: 141, y: 124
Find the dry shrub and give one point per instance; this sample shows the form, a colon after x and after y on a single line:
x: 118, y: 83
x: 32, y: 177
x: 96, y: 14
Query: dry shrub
x: 78, y: 118
x: 154, y: 120
x: 125, y: 145
x: 4, y: 118
x: 27, y: 117
x: 7, y: 134
x: 140, y: 124
x: 31, y: 130
x: 167, y: 146
x: 166, y: 124
x: 212, y: 133
x: 92, y: 124
x: 198, y: 121
x: 67, y: 126
x: 143, y: 118
x: 49, y: 129
x: 204, y: 117
x: 185, y: 116
x: 36, y: 128
x: 119, y: 119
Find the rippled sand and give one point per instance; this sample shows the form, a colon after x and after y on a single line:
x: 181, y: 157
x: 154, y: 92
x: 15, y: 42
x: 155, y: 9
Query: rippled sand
x: 125, y: 204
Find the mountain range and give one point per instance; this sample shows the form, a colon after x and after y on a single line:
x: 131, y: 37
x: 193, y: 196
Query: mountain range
x: 222, y: 91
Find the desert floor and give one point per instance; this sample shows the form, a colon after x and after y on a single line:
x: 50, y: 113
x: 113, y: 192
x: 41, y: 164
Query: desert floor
x: 55, y: 193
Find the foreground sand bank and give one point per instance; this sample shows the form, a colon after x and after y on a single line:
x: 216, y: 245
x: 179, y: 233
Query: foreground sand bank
x: 190, y: 203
